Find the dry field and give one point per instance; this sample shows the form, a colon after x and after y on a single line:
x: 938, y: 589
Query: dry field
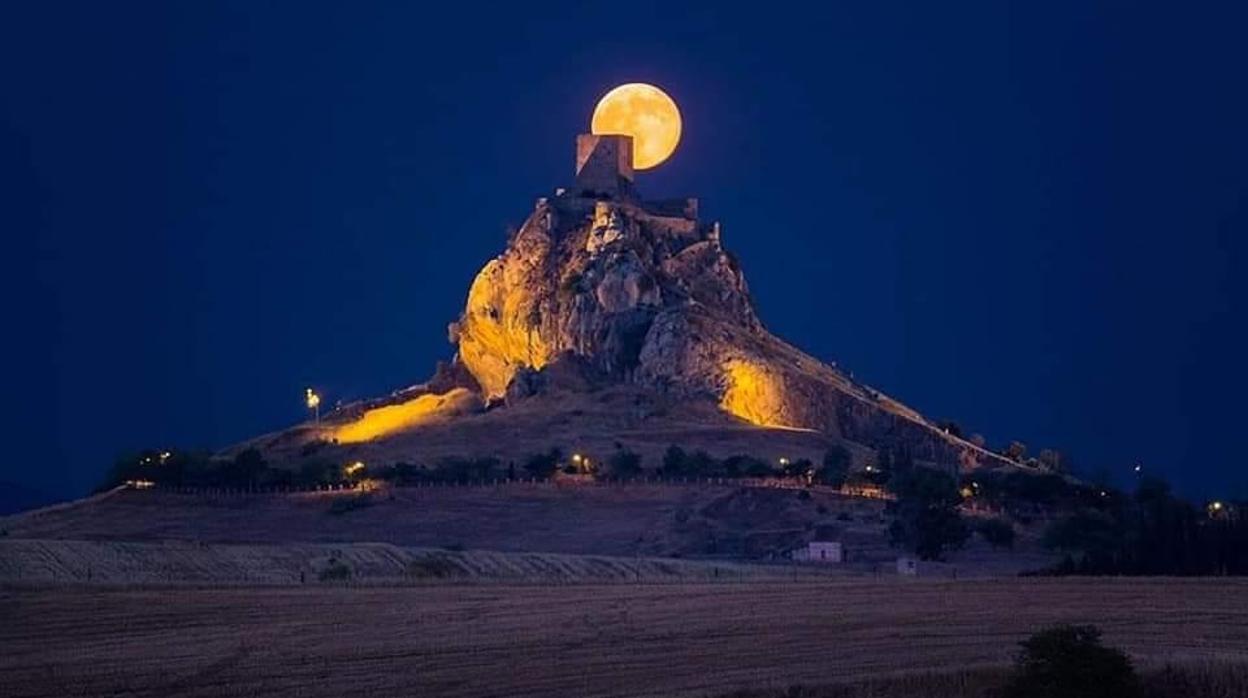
x: 117, y: 563
x: 582, y: 640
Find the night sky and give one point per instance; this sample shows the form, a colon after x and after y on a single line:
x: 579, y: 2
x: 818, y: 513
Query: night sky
x: 1029, y: 219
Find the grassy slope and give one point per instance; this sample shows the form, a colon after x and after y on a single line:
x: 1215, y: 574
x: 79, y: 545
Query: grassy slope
x: 590, y: 423
x: 586, y: 640
x: 649, y: 520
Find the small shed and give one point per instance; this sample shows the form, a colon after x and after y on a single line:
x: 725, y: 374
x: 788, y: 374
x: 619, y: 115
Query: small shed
x: 907, y: 567
x: 824, y: 551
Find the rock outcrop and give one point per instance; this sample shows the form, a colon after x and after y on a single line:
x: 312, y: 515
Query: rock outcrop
x: 616, y: 289
x: 630, y: 310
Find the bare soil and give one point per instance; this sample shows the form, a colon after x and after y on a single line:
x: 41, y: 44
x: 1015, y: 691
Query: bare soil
x: 581, y: 640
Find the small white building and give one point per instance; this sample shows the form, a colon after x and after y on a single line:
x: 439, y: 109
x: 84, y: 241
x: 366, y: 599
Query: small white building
x: 825, y: 551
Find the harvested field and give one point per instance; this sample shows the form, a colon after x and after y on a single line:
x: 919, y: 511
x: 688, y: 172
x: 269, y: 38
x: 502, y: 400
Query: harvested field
x: 182, y: 563
x: 582, y: 640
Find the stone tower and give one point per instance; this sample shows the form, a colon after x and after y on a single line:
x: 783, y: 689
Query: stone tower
x: 604, y: 165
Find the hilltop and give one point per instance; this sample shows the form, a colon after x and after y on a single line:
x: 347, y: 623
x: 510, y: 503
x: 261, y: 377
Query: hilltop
x: 610, y: 322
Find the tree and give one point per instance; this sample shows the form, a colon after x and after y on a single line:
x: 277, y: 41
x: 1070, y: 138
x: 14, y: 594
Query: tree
x: 245, y: 470
x: 674, y: 460
x: 678, y: 463
x: 624, y: 463
x: 997, y: 532
x: 1053, y: 461
x: 926, y: 520
x: 835, y: 470
x: 543, y: 465
x: 1070, y: 661
x: 1016, y: 450
x: 951, y: 427
x: 1096, y: 537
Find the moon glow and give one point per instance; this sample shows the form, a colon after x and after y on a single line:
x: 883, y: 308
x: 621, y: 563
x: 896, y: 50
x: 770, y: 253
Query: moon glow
x: 644, y: 112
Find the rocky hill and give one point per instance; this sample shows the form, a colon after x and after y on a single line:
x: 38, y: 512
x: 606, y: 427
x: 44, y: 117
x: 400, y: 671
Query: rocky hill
x: 634, y: 311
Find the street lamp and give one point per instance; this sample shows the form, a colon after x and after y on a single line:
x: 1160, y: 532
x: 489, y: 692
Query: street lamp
x: 314, y: 404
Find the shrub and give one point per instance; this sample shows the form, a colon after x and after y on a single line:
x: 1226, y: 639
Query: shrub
x: 624, y: 463
x: 746, y: 466
x: 1016, y: 450
x: 997, y: 532
x: 459, y: 469
x: 678, y: 463
x: 433, y: 565
x: 335, y: 571
x: 800, y: 467
x: 674, y: 459
x: 835, y: 468
x: 1070, y: 661
x: 543, y: 465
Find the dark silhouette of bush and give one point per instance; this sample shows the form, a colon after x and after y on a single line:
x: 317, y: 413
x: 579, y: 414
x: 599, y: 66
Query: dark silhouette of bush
x: 800, y: 467
x: 433, y: 565
x: 543, y: 465
x: 624, y: 463
x: 746, y: 466
x: 335, y: 571
x: 1069, y: 661
x: 835, y: 470
x: 998, y: 533
x: 926, y: 520
x: 679, y: 463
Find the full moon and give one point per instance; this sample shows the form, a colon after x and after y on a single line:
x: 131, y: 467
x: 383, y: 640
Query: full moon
x: 644, y: 112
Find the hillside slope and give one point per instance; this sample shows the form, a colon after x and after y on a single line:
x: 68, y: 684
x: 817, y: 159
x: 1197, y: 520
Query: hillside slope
x: 635, y: 312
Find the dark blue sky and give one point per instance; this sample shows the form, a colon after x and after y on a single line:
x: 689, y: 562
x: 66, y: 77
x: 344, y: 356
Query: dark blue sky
x: 1028, y: 218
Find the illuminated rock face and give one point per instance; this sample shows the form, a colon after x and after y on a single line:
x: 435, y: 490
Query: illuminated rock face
x: 646, y: 293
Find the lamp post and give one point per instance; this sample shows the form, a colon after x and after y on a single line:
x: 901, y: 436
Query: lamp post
x: 314, y: 404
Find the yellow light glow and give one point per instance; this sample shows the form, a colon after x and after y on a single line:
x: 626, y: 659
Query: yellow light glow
x: 312, y: 399
x: 497, y: 335
x: 644, y: 112
x: 354, y: 468
x: 753, y: 394
x: 383, y: 421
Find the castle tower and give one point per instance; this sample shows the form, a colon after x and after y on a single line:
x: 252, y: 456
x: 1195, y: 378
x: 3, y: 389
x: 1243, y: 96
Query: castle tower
x: 604, y: 165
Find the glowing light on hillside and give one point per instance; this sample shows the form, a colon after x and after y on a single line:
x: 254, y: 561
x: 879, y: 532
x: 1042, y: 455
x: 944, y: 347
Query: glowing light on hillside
x: 753, y: 394
x: 354, y: 468
x: 390, y: 419
x: 313, y: 401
